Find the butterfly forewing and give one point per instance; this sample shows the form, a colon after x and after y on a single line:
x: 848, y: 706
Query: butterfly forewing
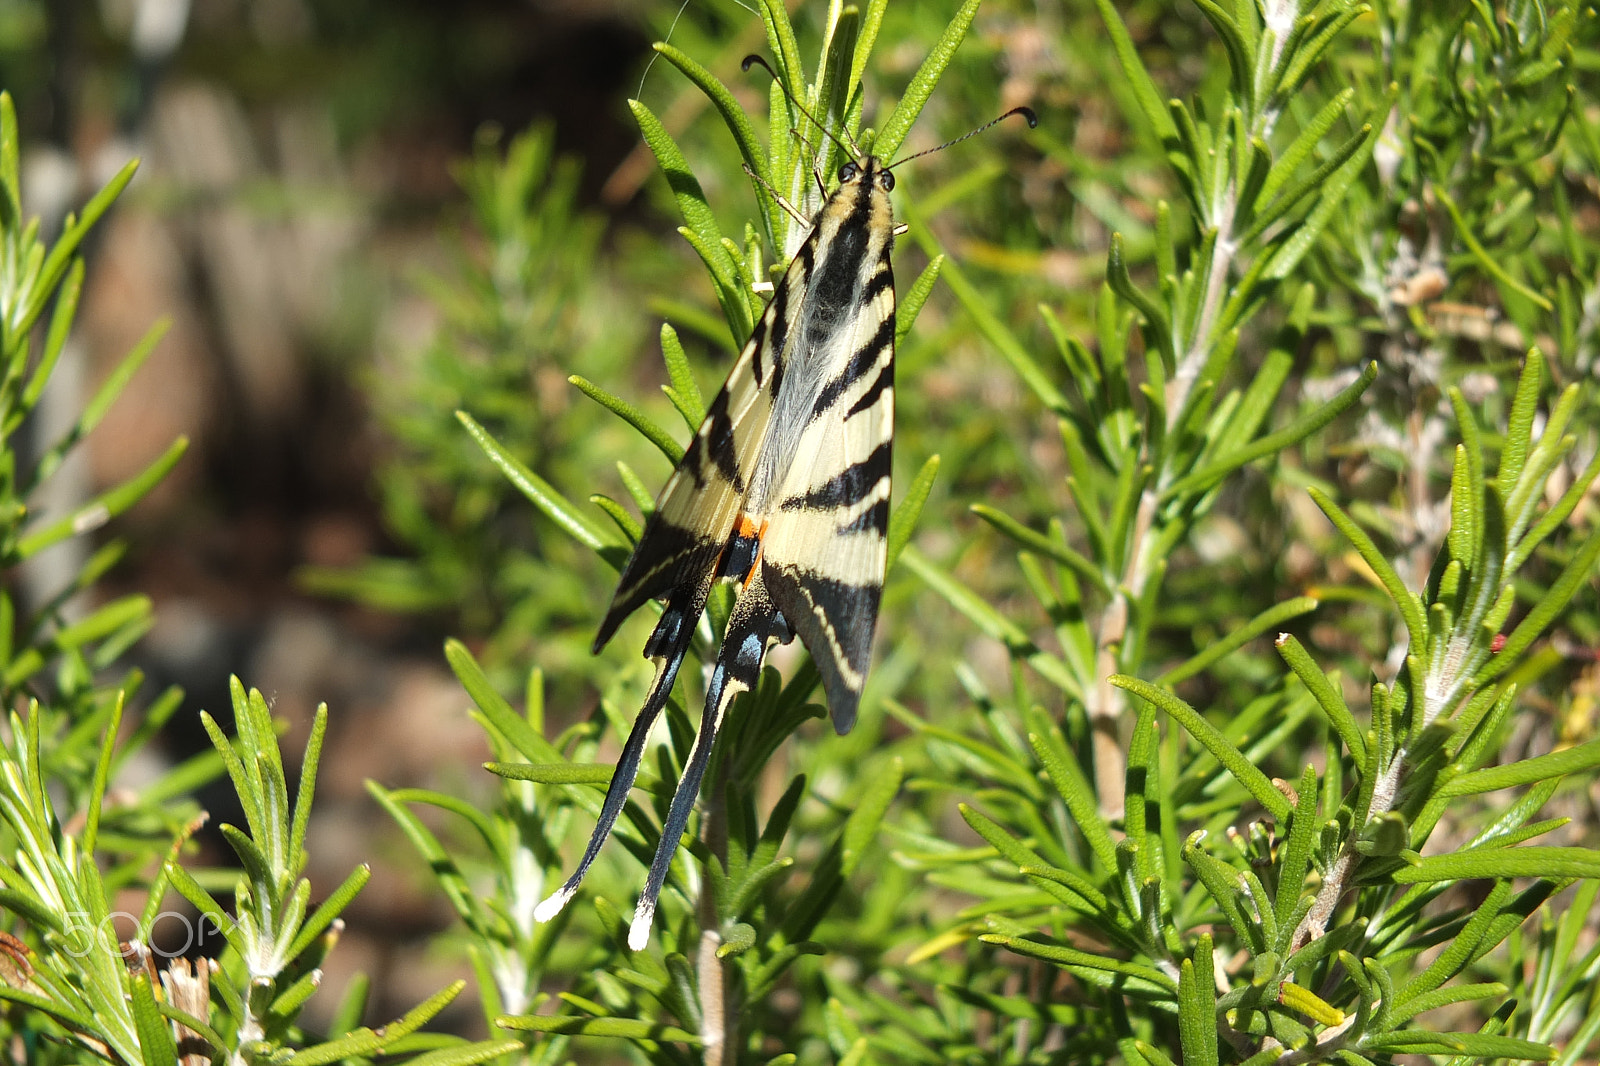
x: 701, y: 502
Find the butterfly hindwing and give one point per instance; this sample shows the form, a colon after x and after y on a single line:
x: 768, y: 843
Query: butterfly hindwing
x: 744, y: 647
x: 825, y: 547
x: 669, y: 643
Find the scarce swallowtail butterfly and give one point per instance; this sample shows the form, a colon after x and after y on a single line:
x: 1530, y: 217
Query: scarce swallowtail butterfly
x: 784, y: 490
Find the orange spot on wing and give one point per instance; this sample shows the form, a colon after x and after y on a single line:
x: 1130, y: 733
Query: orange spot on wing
x: 760, y: 533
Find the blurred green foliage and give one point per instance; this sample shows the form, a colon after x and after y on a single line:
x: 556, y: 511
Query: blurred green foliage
x: 529, y: 297
x: 81, y: 977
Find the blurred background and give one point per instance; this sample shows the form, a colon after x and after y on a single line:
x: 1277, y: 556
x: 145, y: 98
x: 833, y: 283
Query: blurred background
x: 341, y: 204
x: 298, y: 182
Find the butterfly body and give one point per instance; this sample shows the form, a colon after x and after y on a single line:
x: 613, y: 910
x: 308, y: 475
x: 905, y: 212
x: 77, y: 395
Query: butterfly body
x: 785, y: 490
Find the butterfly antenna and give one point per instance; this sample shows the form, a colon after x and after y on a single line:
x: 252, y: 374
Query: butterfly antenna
x: 1026, y: 112
x: 755, y: 60
x: 684, y: 7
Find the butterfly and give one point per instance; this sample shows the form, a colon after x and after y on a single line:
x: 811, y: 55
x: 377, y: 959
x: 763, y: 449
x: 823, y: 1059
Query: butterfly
x: 785, y: 491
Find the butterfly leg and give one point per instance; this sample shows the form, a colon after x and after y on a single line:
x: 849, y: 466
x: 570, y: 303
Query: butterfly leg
x: 668, y: 645
x: 744, y: 646
x: 792, y: 211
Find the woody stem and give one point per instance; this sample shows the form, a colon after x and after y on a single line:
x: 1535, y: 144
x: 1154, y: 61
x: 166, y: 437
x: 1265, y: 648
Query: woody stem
x: 718, y: 1009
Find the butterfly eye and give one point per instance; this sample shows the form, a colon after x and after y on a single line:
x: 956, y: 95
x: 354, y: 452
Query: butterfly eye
x: 848, y: 172
x: 886, y: 179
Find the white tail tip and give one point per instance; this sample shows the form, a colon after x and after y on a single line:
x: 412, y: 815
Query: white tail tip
x: 639, y: 931
x: 551, y: 906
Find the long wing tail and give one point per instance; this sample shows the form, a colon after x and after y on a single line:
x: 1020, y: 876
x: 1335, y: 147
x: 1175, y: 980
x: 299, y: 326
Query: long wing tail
x: 667, y: 645
x: 744, y: 646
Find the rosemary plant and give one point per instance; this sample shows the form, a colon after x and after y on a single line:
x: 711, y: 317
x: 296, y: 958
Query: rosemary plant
x: 1195, y: 907
x: 1224, y: 805
x: 79, y: 979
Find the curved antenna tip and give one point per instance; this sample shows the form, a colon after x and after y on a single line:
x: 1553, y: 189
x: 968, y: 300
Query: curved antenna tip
x: 754, y: 59
x: 1028, y: 115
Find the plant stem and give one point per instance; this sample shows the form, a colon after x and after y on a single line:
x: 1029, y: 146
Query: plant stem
x: 713, y: 1006
x: 1443, y: 691
x: 717, y: 1015
x: 1109, y: 705
x: 1341, y: 873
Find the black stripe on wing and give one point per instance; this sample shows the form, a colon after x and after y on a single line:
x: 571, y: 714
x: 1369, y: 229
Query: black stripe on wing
x: 834, y: 619
x: 884, y: 382
x: 666, y: 558
x: 874, y: 519
x: 720, y: 444
x: 880, y: 282
x: 865, y: 358
x: 846, y: 488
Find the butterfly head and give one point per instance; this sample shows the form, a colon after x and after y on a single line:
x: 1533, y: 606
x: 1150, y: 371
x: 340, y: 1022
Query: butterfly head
x: 871, y: 173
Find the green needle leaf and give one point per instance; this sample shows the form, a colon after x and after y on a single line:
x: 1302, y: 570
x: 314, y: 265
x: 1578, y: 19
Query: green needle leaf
x: 1489, y: 263
x: 903, y: 522
x: 555, y: 506
x: 1404, y: 599
x: 1271, y: 618
x: 559, y: 773
x: 1151, y: 101
x: 1551, y: 863
x: 1065, y: 956
x: 576, y: 1025
x: 1526, y: 771
x: 893, y: 133
x: 1209, y: 475
x: 97, y: 512
x: 634, y: 416
x: 1212, y: 739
